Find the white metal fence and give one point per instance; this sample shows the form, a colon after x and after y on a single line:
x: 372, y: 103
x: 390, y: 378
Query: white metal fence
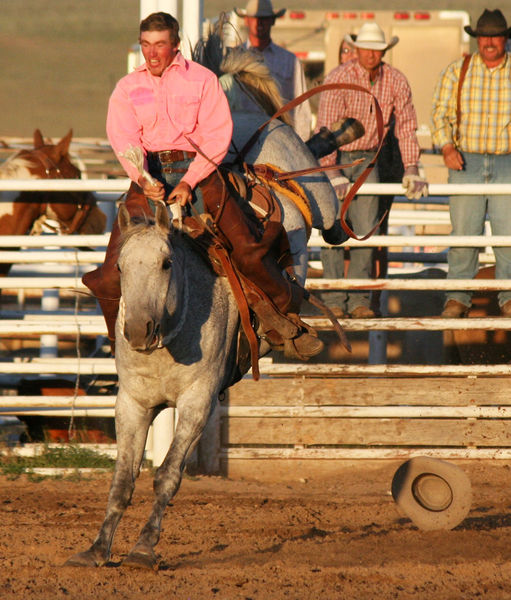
x: 46, y: 251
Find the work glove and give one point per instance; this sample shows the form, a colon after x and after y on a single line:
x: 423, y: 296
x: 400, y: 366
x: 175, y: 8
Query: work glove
x: 341, y: 186
x: 415, y: 186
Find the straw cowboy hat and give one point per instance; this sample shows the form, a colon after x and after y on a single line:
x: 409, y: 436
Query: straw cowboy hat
x: 259, y: 8
x: 371, y: 37
x: 490, y: 24
x: 433, y: 493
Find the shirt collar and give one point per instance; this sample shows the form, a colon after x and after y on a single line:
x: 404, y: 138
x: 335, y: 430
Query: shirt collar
x: 499, y: 66
x: 269, y: 48
x: 179, y: 62
x: 364, y: 74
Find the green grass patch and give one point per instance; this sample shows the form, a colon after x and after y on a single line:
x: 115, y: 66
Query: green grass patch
x: 70, y: 457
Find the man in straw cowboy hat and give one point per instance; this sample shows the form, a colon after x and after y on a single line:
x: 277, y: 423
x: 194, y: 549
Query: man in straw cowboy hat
x: 472, y: 127
x: 284, y: 66
x: 393, y: 93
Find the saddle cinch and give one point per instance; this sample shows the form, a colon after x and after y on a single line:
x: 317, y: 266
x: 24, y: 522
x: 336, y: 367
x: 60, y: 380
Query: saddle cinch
x: 263, y: 213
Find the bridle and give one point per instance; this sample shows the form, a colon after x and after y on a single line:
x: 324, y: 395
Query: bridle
x: 53, y: 171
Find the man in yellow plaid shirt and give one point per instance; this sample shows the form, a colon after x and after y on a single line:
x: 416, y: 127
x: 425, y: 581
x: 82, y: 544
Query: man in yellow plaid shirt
x: 476, y: 146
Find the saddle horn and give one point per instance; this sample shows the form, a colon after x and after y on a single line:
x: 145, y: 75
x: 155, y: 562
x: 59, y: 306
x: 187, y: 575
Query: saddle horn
x: 328, y: 140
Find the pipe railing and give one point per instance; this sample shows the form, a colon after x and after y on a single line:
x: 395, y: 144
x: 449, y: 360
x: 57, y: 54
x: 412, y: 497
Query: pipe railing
x: 367, y: 189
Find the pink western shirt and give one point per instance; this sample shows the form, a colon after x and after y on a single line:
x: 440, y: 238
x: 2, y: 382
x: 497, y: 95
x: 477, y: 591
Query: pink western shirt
x: 160, y: 113
x: 394, y: 96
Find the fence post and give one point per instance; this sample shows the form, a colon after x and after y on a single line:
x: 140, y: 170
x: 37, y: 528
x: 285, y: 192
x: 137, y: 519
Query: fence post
x: 49, y: 303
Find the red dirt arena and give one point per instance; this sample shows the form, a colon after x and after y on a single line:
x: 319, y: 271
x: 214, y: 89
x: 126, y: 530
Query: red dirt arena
x: 341, y: 538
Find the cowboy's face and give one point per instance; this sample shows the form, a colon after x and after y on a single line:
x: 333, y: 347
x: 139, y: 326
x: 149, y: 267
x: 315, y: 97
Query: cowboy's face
x: 370, y: 60
x: 259, y: 28
x: 492, y: 49
x: 158, y: 50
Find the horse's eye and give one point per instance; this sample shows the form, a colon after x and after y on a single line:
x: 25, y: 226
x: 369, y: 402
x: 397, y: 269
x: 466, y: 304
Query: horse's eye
x: 118, y: 267
x: 167, y: 263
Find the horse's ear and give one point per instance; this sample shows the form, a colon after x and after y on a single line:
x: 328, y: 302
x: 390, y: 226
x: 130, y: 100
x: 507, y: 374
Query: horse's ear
x: 62, y: 147
x: 123, y: 218
x: 162, y: 217
x: 38, y: 139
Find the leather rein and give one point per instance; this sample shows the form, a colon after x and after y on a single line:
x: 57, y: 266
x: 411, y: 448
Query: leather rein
x: 292, y: 174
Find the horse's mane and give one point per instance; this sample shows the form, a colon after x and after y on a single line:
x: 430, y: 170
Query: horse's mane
x: 16, y: 167
x: 250, y: 71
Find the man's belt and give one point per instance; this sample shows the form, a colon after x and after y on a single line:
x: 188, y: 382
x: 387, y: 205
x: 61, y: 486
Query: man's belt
x: 167, y: 157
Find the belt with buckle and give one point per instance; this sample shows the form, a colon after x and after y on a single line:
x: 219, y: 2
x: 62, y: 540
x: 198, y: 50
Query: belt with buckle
x: 167, y: 157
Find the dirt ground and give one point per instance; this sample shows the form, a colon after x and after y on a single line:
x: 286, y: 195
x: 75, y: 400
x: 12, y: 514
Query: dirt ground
x: 336, y: 539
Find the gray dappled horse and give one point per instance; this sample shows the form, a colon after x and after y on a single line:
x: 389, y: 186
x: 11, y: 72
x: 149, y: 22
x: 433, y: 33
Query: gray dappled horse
x: 176, y: 334
x: 177, y: 331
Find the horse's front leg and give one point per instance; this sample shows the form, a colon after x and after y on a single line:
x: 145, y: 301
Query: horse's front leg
x: 193, y: 416
x: 131, y: 425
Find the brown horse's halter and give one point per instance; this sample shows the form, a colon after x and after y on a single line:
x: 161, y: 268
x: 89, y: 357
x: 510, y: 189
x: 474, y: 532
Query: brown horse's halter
x: 53, y: 171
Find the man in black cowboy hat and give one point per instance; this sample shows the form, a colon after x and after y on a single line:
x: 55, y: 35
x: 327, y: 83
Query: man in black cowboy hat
x: 259, y: 17
x: 472, y: 127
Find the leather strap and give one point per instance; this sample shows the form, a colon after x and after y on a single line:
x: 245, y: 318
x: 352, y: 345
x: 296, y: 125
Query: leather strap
x: 362, y: 177
x: 463, y: 72
x: 241, y: 300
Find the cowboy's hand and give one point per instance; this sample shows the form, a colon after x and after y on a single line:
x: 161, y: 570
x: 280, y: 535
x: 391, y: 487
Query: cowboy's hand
x: 153, y: 191
x: 341, y: 185
x: 452, y: 158
x: 182, y: 194
x: 415, y: 186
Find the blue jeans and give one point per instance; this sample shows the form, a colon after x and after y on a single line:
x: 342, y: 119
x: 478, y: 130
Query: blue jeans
x: 363, y: 216
x: 170, y: 179
x: 468, y: 215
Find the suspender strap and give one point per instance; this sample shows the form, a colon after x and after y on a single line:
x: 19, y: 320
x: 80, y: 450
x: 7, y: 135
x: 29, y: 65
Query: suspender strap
x: 463, y: 72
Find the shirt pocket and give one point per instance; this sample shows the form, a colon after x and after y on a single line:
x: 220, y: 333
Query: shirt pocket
x: 184, y: 111
x: 144, y: 105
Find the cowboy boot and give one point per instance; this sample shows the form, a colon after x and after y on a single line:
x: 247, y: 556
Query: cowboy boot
x: 105, y: 282
x: 275, y: 297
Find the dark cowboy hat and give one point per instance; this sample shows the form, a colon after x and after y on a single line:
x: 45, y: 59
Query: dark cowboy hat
x: 490, y: 24
x: 433, y: 493
x: 259, y: 8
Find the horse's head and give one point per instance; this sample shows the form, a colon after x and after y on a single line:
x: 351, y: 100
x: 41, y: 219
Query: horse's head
x: 150, y: 280
x: 51, y: 161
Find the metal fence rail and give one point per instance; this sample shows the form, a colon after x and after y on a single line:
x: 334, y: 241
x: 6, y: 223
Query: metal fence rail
x: 34, y: 255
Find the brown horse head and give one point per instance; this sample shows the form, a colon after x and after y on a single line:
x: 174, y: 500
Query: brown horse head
x: 71, y: 211
x: 51, y: 161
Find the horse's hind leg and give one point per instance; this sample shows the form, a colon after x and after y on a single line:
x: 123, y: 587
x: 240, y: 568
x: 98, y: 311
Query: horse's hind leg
x: 191, y: 423
x: 132, y: 424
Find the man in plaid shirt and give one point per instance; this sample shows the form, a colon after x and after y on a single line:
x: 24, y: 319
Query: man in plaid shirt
x: 476, y: 146
x: 394, y: 96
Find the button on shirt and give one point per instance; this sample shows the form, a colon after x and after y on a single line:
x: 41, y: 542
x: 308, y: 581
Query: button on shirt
x: 393, y: 93
x: 287, y: 71
x: 485, y: 123
x: 159, y: 113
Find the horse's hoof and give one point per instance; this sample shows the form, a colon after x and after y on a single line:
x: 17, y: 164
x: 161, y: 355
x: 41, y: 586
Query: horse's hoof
x: 139, y: 560
x: 83, y: 559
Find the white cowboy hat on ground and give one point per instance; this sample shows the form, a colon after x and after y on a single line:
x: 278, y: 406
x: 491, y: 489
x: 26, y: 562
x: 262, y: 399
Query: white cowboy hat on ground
x: 371, y: 37
x: 433, y: 493
x: 259, y: 8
